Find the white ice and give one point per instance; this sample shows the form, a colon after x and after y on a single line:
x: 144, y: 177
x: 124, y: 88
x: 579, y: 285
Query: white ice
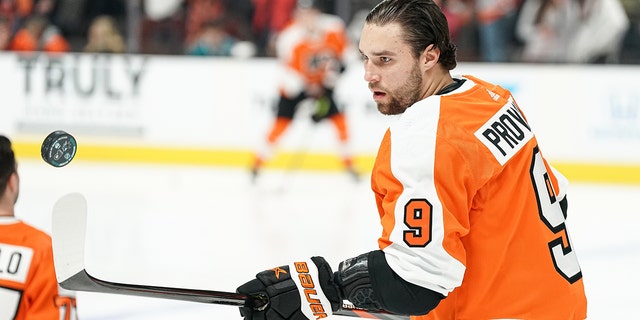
x: 211, y: 228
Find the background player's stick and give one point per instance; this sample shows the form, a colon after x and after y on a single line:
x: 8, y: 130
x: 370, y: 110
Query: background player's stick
x: 69, y: 225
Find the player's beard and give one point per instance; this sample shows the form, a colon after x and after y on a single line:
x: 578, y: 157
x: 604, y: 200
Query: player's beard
x: 408, y: 94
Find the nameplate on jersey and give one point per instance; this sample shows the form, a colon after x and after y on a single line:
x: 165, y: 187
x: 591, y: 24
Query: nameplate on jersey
x: 505, y: 133
x: 15, y: 262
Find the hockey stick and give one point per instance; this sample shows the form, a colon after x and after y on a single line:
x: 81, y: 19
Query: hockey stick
x: 69, y: 226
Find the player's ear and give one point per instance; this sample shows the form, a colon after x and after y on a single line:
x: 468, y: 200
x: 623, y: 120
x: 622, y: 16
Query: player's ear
x: 430, y: 56
x: 14, y: 181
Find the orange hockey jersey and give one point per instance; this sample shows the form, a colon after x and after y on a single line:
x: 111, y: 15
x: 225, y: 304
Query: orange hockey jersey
x: 28, y: 285
x: 310, y: 57
x: 471, y: 209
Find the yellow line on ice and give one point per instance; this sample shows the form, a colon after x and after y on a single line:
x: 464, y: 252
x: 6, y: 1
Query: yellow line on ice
x: 312, y: 161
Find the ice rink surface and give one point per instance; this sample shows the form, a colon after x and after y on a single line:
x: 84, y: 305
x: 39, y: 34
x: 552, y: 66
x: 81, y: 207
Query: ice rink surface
x: 211, y: 228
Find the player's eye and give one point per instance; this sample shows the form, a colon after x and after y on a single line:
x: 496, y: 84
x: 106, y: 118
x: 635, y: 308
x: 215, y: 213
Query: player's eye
x: 385, y: 59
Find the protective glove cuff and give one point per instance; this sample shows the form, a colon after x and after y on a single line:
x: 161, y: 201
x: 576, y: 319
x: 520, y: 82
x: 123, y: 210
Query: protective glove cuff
x: 319, y: 296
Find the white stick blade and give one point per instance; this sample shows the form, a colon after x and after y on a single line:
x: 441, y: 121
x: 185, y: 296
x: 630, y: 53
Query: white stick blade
x: 69, y: 225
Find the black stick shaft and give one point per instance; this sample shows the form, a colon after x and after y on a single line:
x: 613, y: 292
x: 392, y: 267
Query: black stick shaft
x: 83, y: 281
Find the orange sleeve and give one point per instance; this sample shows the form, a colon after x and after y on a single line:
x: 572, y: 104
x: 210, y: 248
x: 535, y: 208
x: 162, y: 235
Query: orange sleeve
x: 386, y: 189
x: 42, y: 287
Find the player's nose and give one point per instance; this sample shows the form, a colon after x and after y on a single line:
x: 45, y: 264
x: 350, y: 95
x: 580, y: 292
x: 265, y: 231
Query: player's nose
x: 370, y: 74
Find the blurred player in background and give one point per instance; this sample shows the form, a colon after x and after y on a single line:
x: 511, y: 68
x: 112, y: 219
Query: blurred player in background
x: 28, y: 285
x: 472, y: 215
x: 312, y: 50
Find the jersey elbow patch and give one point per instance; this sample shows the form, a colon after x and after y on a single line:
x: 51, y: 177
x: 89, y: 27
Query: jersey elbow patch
x: 397, y: 295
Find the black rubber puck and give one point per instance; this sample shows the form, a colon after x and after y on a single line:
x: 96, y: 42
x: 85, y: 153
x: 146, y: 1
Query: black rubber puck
x: 58, y: 148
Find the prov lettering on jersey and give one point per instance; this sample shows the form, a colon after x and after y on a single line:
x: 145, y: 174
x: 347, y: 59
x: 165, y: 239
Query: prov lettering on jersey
x: 505, y: 133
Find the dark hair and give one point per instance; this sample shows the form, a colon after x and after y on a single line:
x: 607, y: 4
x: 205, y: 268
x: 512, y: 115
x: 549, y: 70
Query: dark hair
x: 7, y: 163
x: 423, y: 23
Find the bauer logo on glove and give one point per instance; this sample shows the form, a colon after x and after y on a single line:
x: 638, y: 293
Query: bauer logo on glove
x: 300, y: 291
x: 314, y: 303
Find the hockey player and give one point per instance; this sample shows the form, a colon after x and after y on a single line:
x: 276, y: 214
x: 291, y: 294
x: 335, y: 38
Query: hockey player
x: 473, y: 215
x: 312, y: 51
x: 28, y: 285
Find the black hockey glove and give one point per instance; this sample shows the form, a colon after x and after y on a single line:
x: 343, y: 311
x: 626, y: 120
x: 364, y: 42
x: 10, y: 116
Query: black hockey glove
x: 300, y: 291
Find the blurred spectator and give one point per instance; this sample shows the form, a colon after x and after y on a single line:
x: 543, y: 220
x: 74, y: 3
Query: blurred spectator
x: 73, y: 17
x: 496, y: 21
x: 598, y: 39
x: 5, y: 33
x: 458, y: 14
x: 39, y: 35
x: 104, y: 36
x: 199, y: 12
x: 17, y: 11
x: 573, y: 31
x: 545, y: 28
x: 483, y: 30
x: 116, y: 9
x: 163, y: 27
x: 269, y: 18
x: 213, y: 40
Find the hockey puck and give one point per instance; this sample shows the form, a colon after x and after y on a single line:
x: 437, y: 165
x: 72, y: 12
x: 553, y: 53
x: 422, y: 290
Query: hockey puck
x: 58, y: 148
